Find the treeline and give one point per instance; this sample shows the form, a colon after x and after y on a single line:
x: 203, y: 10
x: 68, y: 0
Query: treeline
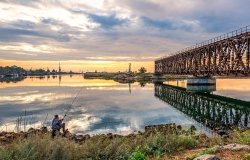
x: 41, y: 72
x: 15, y: 70
x: 10, y: 70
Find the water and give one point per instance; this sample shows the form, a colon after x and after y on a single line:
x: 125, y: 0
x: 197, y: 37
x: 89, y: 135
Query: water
x: 107, y: 106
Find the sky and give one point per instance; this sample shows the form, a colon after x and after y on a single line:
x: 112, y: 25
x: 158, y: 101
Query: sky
x: 107, y: 35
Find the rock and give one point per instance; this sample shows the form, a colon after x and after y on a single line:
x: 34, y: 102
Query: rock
x: 3, y: 139
x: 193, y: 128
x: 110, y: 135
x: 207, y: 157
x: 222, y: 132
x: 44, y: 129
x: 81, y: 138
x: 87, y: 136
x: 217, y: 148
x: 31, y: 130
x: 225, y: 136
x: 179, y: 127
x: 3, y: 133
x: 237, y: 147
x: 131, y: 135
x: 67, y: 134
x: 9, y: 136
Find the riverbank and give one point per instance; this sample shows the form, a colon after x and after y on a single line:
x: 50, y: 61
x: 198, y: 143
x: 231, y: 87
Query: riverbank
x: 15, y: 73
x: 120, y: 76
x: 167, y: 142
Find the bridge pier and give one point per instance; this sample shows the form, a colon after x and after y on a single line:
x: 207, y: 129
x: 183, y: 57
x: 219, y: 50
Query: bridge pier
x: 201, y: 81
x: 201, y: 84
x: 158, y: 78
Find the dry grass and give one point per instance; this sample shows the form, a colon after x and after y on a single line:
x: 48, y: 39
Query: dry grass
x: 98, y: 147
x: 151, y: 145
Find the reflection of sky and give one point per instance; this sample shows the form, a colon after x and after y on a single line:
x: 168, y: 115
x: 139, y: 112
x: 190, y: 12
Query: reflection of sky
x: 98, y: 108
x: 233, y: 88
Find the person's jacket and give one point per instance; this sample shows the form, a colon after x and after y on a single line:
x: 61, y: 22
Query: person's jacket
x: 56, y: 124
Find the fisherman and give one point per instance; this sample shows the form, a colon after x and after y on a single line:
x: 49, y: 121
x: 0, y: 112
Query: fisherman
x: 57, y: 125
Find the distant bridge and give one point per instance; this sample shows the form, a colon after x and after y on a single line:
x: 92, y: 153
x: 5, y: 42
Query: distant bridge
x: 226, y: 55
x: 212, y: 111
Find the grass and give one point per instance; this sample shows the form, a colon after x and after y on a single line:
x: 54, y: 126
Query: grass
x: 247, y: 156
x: 151, y: 144
x: 99, y: 147
x: 242, y: 137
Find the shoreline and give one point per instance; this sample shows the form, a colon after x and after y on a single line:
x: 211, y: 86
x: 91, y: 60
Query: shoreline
x: 157, y: 142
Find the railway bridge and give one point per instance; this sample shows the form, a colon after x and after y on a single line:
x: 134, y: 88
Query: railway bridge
x: 225, y: 55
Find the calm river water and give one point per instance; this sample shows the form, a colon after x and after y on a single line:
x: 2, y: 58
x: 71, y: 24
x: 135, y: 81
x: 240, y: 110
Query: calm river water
x: 107, y: 106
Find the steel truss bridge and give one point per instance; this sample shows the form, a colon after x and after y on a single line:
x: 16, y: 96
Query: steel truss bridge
x: 226, y: 55
x: 210, y: 110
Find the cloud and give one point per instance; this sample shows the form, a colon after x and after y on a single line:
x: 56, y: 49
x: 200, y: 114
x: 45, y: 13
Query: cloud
x: 109, y: 28
x: 163, y: 24
x: 107, y: 21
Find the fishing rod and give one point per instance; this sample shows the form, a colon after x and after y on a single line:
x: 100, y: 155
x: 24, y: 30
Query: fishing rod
x: 71, y: 105
x: 45, y: 119
x: 69, y: 108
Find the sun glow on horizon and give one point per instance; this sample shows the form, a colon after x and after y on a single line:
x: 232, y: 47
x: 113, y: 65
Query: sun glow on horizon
x: 81, y: 66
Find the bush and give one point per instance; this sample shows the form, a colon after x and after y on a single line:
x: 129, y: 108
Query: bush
x: 137, y: 155
x: 154, y: 145
x: 247, y: 156
x: 242, y: 137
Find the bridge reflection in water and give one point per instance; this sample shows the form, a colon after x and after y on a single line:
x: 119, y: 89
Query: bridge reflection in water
x: 211, y: 111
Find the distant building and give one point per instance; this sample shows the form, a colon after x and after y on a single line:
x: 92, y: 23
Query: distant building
x: 59, y: 69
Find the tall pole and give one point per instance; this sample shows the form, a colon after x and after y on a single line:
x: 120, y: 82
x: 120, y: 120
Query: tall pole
x: 248, y: 54
x: 129, y: 69
x: 59, y: 70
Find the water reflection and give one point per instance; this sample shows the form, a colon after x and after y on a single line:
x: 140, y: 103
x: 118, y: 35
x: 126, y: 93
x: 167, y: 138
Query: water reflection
x: 11, y: 79
x: 102, y: 105
x: 64, y: 80
x: 212, y: 111
x: 107, y: 106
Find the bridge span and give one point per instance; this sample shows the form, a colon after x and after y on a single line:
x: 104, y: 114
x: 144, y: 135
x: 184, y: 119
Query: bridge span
x: 225, y: 55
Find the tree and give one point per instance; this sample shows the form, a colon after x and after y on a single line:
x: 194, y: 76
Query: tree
x: 48, y: 71
x: 142, y: 70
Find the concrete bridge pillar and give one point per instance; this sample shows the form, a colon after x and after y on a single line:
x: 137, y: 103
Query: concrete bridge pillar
x: 201, y: 81
x: 201, y: 84
x: 158, y: 78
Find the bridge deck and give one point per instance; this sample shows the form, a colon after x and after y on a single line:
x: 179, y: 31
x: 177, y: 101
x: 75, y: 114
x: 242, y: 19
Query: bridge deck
x: 228, y: 54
